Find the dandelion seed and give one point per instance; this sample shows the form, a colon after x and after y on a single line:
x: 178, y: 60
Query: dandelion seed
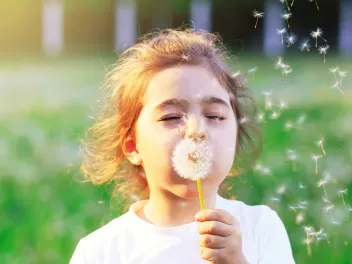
x: 292, y: 2
x: 337, y: 86
x: 302, y: 205
x: 185, y: 57
x: 283, y: 105
x: 342, y: 75
x: 281, y: 189
x: 243, y: 120
x: 317, y: 34
x: 285, y: 1
x: 323, y: 50
x: 252, y: 71
x: 293, y: 208
x: 305, y: 46
x: 260, y: 117
x: 292, y: 155
x: 320, y: 144
x: 281, y: 32
x: 333, y: 71
x: 290, y: 40
x: 328, y: 209
x: 301, y: 186
x: 315, y: 158
x: 308, y: 241
x: 276, y: 201
x: 288, y: 125
x: 342, y: 193
x: 267, y: 95
x: 322, y: 183
x: 301, y: 119
x: 299, y: 218
x: 257, y: 15
x: 286, y: 16
x: 315, y: 3
x: 326, y: 200
x: 275, y: 115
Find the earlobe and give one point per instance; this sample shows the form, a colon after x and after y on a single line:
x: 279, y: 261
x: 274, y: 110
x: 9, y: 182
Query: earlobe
x: 130, y: 151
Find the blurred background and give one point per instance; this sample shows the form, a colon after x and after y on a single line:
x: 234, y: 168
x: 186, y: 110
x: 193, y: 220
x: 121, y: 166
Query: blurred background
x: 54, y: 55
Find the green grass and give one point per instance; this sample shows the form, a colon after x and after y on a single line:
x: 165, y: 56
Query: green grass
x: 45, y: 107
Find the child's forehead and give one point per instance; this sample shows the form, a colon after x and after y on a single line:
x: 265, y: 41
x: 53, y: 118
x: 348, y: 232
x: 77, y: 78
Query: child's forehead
x: 189, y: 82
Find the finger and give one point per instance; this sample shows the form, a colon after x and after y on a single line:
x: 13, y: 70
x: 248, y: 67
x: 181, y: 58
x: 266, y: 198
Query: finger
x: 216, y: 215
x: 215, y: 228
x: 211, y: 255
x: 212, y: 241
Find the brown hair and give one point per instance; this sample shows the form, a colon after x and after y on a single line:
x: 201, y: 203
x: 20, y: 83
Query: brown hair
x: 104, y: 160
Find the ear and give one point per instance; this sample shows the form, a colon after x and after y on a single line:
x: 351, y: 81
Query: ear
x: 130, y: 151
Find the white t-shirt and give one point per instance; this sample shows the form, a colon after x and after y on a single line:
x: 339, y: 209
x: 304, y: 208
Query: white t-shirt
x: 129, y: 239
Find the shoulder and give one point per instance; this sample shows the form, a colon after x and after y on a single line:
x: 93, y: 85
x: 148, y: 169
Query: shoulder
x: 92, y: 246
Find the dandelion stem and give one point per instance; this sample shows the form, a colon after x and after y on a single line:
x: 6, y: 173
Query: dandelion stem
x: 288, y: 7
x: 309, y: 249
x: 256, y: 22
x: 326, y: 194
x: 316, y: 4
x: 324, y: 59
x: 322, y: 148
x: 282, y: 39
x: 200, y: 193
x: 316, y: 166
x: 292, y: 2
x: 343, y: 200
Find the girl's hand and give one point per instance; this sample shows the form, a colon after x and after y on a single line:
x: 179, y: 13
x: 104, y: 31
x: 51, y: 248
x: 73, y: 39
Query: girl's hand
x: 221, y: 238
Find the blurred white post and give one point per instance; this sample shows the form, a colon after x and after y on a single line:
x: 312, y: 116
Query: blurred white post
x: 345, y: 28
x: 125, y: 24
x: 201, y: 14
x: 272, y: 20
x: 52, y: 27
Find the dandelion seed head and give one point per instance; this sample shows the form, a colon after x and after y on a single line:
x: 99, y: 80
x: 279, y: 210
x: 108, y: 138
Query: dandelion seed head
x: 341, y: 192
x: 291, y: 39
x: 286, y: 15
x: 316, y: 34
x: 192, y: 160
x: 252, y: 70
x: 281, y: 31
x: 323, y: 49
x: 333, y: 70
x: 316, y: 157
x: 258, y: 14
x: 342, y: 73
x: 304, y: 45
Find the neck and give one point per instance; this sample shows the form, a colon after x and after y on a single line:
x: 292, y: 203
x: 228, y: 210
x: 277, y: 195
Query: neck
x: 168, y: 210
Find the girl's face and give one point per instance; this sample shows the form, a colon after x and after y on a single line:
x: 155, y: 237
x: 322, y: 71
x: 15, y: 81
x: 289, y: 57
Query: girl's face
x: 160, y: 127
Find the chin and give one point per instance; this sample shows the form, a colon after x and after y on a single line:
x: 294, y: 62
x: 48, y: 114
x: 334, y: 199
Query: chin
x: 187, y: 191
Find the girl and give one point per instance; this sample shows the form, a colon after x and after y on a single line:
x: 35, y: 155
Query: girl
x: 157, y: 85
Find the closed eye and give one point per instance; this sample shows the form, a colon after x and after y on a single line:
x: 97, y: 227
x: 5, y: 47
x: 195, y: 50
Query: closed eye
x: 172, y: 118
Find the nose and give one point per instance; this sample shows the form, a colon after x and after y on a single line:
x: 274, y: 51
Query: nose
x: 195, y: 129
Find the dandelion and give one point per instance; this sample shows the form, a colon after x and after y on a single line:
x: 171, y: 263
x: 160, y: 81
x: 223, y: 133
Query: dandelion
x: 317, y: 34
x: 315, y: 3
x: 267, y: 95
x: 323, y: 50
x: 252, y: 71
x: 305, y: 46
x: 333, y: 71
x: 320, y: 144
x: 281, y: 32
x: 193, y: 160
x: 292, y: 2
x: 342, y: 75
x: 285, y: 1
x: 286, y: 16
x: 315, y: 158
x: 322, y: 183
x: 342, y: 193
x: 257, y: 15
x: 290, y: 40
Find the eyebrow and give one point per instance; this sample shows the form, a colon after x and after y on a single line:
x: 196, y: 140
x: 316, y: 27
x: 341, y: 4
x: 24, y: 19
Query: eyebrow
x: 184, y: 103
